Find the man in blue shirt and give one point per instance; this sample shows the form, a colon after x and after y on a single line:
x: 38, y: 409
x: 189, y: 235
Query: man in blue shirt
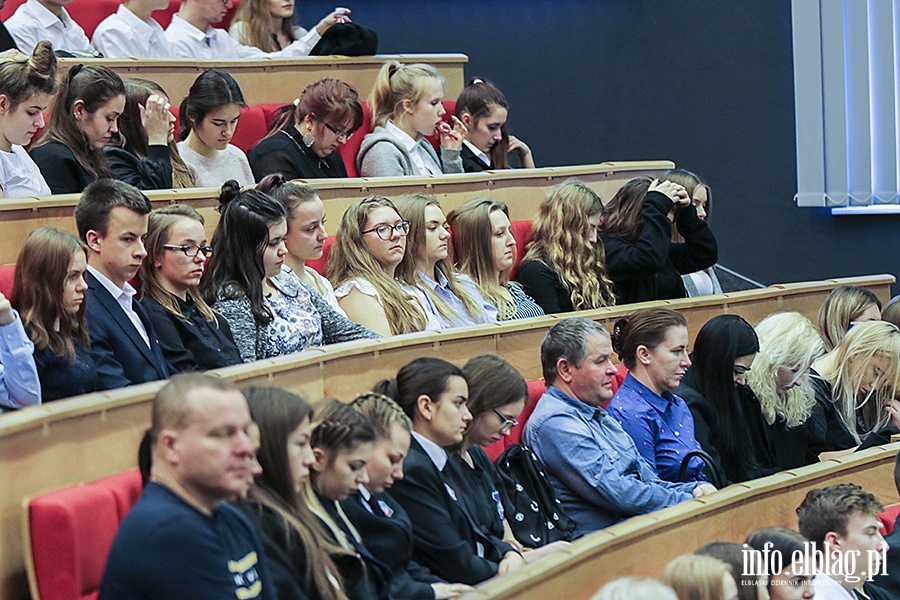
x: 593, y: 465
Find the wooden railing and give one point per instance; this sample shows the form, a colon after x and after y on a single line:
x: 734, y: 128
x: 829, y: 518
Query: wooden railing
x: 81, y: 439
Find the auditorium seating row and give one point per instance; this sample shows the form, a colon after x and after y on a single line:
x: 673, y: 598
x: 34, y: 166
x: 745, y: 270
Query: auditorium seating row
x: 82, y: 439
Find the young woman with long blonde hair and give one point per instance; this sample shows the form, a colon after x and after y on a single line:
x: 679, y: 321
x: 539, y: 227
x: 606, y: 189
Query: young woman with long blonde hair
x: 269, y: 25
x: 844, y: 307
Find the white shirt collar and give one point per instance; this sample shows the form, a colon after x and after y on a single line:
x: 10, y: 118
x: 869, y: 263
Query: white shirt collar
x: 477, y: 152
x: 437, y: 454
x: 364, y: 492
x: 111, y: 287
x: 47, y: 18
x: 135, y: 22
x: 182, y: 26
x: 401, y: 136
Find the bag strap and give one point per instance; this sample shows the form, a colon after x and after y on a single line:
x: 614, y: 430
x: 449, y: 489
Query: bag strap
x: 718, y: 477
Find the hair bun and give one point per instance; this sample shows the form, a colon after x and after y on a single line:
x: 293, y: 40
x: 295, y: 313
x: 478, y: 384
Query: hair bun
x: 74, y: 70
x: 231, y: 189
x: 387, y: 387
x: 617, y: 337
x: 43, y: 60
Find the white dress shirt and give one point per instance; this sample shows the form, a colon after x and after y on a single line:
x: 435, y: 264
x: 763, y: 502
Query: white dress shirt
x: 124, y: 297
x: 420, y: 158
x: 186, y: 41
x: 33, y: 22
x: 124, y: 35
x: 20, y: 177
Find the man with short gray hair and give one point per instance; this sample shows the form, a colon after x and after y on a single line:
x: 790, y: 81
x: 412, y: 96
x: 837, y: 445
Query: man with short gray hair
x: 593, y: 465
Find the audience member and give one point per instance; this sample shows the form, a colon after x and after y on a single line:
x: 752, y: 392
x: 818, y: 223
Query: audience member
x: 705, y: 282
x: 788, y: 574
x: 483, y: 109
x: 143, y: 152
x: 26, y: 86
x: 209, y: 115
x: 193, y: 336
x: 696, y: 577
x: 362, y: 264
x: 485, y: 250
x: 84, y: 115
x: 564, y: 268
x: 728, y: 422
x: 642, y: 261
x: 891, y: 312
x: 406, y: 108
x: 594, y: 467
x: 653, y: 344
x: 270, y: 26
x: 844, y: 307
x: 802, y: 427
x: 131, y: 32
x: 39, y: 20
x: 629, y: 588
x: 450, y: 297
x: 112, y: 220
x: 381, y: 521
x: 842, y: 521
x: 49, y: 289
x: 183, y: 539
x: 19, y: 382
x: 303, y: 139
x: 449, y: 540
x: 750, y: 586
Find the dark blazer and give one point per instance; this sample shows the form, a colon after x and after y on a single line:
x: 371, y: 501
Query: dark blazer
x: 471, y: 163
x: 387, y: 533
x: 151, y: 173
x: 544, y: 285
x: 445, y: 534
x: 120, y: 354
x: 6, y: 40
x: 374, y: 579
x: 888, y: 586
x: 60, y: 169
x: 285, y: 153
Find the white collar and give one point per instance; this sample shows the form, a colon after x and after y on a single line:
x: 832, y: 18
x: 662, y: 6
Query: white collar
x: 477, y: 152
x: 364, y: 492
x: 111, y: 287
x: 437, y: 454
x: 190, y: 30
x: 401, y: 136
x: 47, y: 18
x: 135, y: 21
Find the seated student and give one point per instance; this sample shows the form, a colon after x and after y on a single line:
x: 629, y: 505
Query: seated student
x: 705, y: 282
x: 594, y: 467
x: 749, y: 586
x: 303, y: 139
x: 642, y: 261
x: 789, y: 575
x: 83, y: 117
x: 209, y: 116
x: 183, y: 539
x: 362, y: 263
x: 696, y: 577
x: 306, y: 235
x: 143, y: 152
x: 342, y: 442
x: 39, y: 20
x: 891, y: 312
x: 482, y: 108
x: 193, y: 337
x: 296, y: 547
x: 382, y: 523
x: 485, y: 249
x: 270, y: 26
x: 802, y: 426
x: 131, y: 32
x: 191, y: 34
x: 653, y: 343
x: 451, y: 544
x: 19, y: 382
x: 26, y: 86
x: 842, y: 521
x: 844, y: 307
x: 112, y: 220
x: 49, y: 289
x: 861, y: 378
x: 406, y: 107
x: 450, y: 297
x: 564, y: 268
x: 727, y: 420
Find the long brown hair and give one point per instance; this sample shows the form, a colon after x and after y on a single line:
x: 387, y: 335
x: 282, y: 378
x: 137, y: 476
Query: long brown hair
x: 480, y: 98
x: 41, y: 271
x: 256, y: 25
x: 623, y: 213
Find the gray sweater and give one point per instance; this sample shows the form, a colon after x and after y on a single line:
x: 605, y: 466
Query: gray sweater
x: 381, y: 155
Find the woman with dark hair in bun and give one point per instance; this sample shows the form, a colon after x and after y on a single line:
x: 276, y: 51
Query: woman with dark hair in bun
x: 304, y: 137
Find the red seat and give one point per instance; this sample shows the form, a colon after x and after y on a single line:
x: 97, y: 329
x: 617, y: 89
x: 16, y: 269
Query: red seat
x: 7, y: 275
x: 319, y: 264
x: 521, y: 231
x: 889, y: 517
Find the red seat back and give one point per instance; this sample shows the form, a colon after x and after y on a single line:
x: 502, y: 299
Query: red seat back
x: 521, y: 231
x: 889, y: 518
x: 319, y: 264
x: 7, y: 275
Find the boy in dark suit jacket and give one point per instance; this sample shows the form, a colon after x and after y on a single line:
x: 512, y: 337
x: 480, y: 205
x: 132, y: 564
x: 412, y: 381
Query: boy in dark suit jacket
x: 112, y: 220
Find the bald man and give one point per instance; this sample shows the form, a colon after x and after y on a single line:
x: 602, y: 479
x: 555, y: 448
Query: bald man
x: 182, y: 539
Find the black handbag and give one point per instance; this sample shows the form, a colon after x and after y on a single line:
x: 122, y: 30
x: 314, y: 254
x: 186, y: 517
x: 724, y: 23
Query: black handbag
x: 716, y: 475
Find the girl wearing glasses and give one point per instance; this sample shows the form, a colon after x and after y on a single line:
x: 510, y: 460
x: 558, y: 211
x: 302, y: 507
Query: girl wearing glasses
x: 450, y: 297
x: 304, y: 137
x: 193, y: 336
x: 362, y: 264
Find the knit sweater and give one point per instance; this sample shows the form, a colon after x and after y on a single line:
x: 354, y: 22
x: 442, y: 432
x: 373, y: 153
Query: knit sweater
x: 382, y: 155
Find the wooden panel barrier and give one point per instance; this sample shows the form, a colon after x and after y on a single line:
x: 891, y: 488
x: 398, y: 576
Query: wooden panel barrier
x: 272, y: 80
x: 641, y: 546
x: 81, y: 439
x: 522, y: 189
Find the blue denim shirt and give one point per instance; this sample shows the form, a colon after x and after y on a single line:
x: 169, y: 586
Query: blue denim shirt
x: 593, y: 465
x: 661, y: 426
x: 463, y: 318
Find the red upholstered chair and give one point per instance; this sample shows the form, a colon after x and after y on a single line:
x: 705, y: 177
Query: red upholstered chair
x: 7, y: 274
x: 319, y: 263
x: 889, y: 517
x: 521, y: 231
x: 125, y: 487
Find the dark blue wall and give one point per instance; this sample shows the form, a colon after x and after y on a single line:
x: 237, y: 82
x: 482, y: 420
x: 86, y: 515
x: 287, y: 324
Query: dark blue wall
x: 707, y: 84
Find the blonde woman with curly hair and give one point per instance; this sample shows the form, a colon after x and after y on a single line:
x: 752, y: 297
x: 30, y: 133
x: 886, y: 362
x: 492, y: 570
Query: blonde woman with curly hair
x: 362, y: 265
x: 269, y: 25
x: 844, y: 307
x: 485, y: 250
x: 450, y: 297
x: 564, y: 268
x: 695, y: 577
x: 861, y: 377
x: 801, y: 427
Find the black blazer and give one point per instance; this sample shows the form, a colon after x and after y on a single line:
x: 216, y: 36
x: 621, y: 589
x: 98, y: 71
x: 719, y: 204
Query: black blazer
x: 154, y: 172
x: 120, y: 354
x: 285, y: 555
x: 387, y: 533
x: 445, y: 535
x: 60, y: 169
x: 285, y: 153
x: 471, y: 163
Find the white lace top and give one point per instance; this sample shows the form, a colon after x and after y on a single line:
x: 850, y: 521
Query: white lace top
x: 366, y: 287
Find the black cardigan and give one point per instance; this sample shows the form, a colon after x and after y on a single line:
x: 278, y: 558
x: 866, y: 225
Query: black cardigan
x: 285, y: 153
x: 651, y: 267
x: 151, y: 173
x: 544, y: 285
x: 60, y: 169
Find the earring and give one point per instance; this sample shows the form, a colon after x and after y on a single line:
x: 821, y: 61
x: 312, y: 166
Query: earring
x: 308, y: 139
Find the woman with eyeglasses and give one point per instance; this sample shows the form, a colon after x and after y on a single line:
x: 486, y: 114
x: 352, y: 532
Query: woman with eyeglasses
x: 362, y: 265
x: 193, y: 336
x: 304, y: 137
